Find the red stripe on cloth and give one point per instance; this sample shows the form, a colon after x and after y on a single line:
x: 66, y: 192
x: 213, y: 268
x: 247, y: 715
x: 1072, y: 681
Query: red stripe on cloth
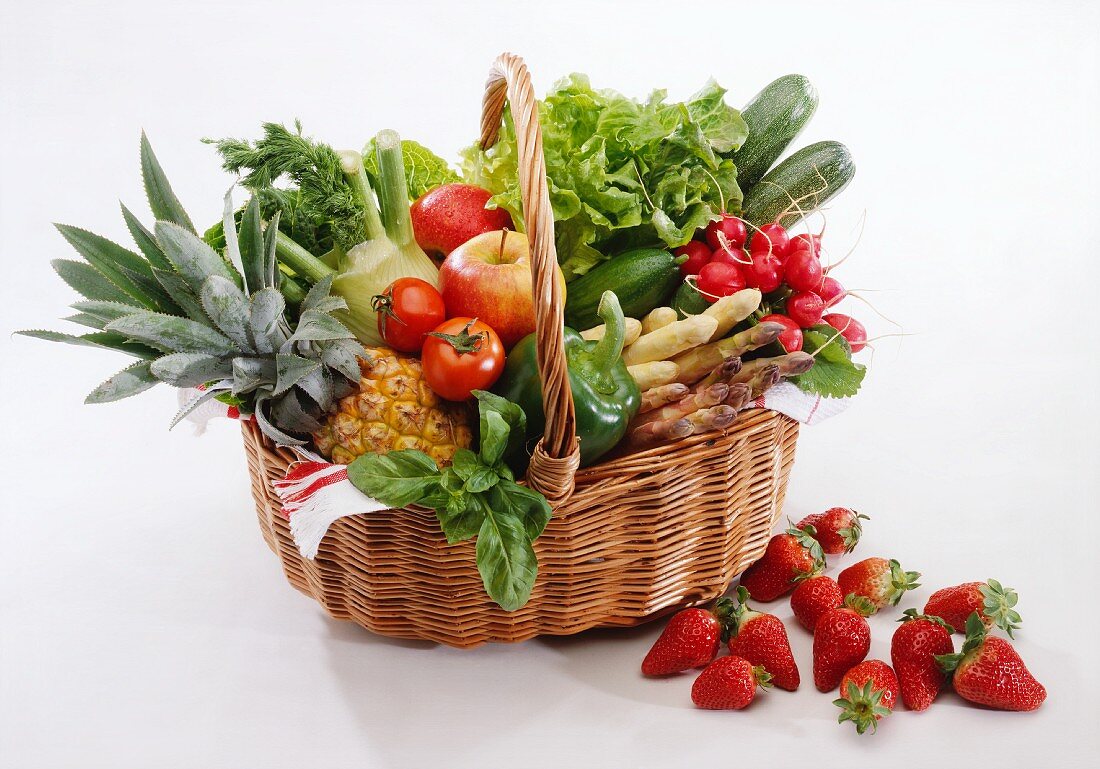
x: 817, y: 402
x: 300, y: 472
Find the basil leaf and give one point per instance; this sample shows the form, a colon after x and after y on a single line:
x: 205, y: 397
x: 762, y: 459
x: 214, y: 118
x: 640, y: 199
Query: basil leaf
x: 481, y: 480
x: 465, y: 463
x: 398, y: 478
x: 505, y: 559
x: 461, y: 518
x: 528, y: 504
x: 502, y: 426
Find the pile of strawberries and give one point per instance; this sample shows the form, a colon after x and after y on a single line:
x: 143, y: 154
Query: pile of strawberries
x: 986, y: 670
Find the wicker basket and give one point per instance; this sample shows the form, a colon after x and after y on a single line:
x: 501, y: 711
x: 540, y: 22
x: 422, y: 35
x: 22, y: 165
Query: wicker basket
x: 630, y: 538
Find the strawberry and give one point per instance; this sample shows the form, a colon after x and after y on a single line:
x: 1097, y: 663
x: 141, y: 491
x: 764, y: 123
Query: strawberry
x: 989, y: 671
x: 689, y: 640
x: 842, y: 639
x: 913, y: 650
x: 762, y: 640
x: 728, y: 683
x: 993, y: 603
x: 881, y: 581
x: 813, y: 597
x: 837, y: 530
x: 870, y: 690
x: 790, y: 556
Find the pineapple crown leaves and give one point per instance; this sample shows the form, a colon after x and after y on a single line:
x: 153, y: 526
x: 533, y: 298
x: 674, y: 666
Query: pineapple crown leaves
x: 976, y: 633
x: 807, y: 537
x: 862, y: 706
x: 911, y: 615
x: 194, y: 317
x: 860, y: 604
x: 901, y: 581
x: 851, y: 534
x: 998, y: 604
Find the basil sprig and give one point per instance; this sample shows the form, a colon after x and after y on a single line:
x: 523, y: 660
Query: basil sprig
x: 476, y: 496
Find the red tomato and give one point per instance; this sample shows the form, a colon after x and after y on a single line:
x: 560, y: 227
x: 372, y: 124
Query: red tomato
x: 697, y: 255
x: 791, y: 339
x: 460, y: 355
x: 718, y: 279
x: 407, y: 310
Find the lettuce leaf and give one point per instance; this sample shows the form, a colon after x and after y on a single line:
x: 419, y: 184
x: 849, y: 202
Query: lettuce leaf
x: 621, y: 173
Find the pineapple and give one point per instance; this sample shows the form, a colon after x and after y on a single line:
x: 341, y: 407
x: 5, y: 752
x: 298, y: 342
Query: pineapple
x: 393, y: 409
x: 193, y: 316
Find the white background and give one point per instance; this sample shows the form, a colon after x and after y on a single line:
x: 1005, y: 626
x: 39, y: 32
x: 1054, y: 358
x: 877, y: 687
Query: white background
x: 144, y: 622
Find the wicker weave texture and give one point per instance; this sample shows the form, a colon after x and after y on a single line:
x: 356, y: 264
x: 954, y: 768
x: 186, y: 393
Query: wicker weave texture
x: 641, y: 535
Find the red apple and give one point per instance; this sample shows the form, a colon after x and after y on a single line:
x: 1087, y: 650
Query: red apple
x: 489, y: 278
x: 449, y: 215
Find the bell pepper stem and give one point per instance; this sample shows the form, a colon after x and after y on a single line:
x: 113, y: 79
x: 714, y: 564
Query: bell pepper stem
x: 610, y: 346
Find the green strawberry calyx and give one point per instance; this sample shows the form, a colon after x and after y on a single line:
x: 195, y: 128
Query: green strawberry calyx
x: 901, y: 581
x: 807, y: 537
x: 862, y: 706
x: 762, y: 677
x: 726, y: 612
x: 851, y: 534
x: 860, y: 604
x: 910, y: 615
x: 739, y: 613
x: 998, y: 604
x: 976, y: 632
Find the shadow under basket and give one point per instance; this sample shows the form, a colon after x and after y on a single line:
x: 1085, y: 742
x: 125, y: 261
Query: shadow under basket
x: 641, y: 535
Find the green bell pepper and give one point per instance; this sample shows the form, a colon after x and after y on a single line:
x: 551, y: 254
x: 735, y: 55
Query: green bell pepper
x: 605, y: 395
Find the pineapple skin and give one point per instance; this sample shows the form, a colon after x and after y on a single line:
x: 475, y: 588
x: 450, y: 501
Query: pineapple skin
x: 393, y: 409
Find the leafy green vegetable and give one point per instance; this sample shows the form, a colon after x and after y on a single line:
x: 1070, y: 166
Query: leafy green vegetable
x: 476, y: 496
x: 321, y: 195
x: 621, y: 173
x: 424, y: 170
x: 833, y: 374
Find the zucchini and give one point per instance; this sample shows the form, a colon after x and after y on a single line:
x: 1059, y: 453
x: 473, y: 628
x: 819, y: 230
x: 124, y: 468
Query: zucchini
x: 775, y: 116
x: 810, y: 176
x: 688, y: 300
x: 642, y: 279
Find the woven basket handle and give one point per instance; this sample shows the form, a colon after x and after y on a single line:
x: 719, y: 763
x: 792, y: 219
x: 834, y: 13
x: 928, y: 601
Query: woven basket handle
x: 556, y: 457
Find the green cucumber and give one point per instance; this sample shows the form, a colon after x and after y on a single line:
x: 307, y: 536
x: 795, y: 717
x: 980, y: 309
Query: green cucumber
x: 642, y: 279
x: 810, y: 177
x: 688, y: 300
x: 775, y: 116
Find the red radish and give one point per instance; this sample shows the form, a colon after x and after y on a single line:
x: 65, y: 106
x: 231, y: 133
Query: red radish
x: 791, y: 339
x: 697, y: 255
x: 831, y: 291
x: 849, y: 328
x: 730, y: 226
x: 805, y: 309
x: 730, y: 255
x: 812, y: 242
x: 718, y: 279
x: 770, y: 239
x: 802, y: 270
x: 765, y: 273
